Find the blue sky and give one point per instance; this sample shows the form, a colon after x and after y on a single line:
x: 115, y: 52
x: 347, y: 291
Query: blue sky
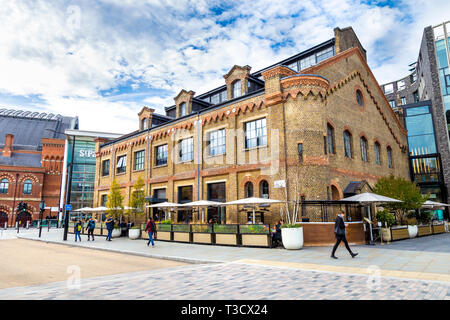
x: 106, y: 59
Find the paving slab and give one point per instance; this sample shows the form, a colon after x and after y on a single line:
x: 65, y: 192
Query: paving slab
x: 412, y: 263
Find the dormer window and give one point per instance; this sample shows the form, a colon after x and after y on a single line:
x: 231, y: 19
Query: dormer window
x: 236, y: 87
x: 144, y: 124
x: 183, y: 111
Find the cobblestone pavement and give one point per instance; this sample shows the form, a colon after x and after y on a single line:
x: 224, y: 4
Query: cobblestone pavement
x: 230, y: 281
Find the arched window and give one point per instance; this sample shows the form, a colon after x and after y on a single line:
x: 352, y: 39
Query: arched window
x: 264, y: 189
x: 183, y: 110
x: 363, y: 142
x: 236, y: 87
x: 4, y: 185
x: 348, y: 144
x: 389, y: 157
x: 27, y: 185
x: 330, y: 139
x: 377, y: 153
x: 359, y: 98
x: 248, y: 189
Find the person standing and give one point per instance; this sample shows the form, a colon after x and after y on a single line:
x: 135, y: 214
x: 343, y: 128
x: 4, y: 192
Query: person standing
x: 339, y: 231
x: 77, y: 230
x: 90, y: 228
x: 110, y: 227
x: 151, y: 229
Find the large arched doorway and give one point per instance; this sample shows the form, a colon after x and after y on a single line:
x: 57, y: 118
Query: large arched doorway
x: 22, y: 218
x: 3, y: 219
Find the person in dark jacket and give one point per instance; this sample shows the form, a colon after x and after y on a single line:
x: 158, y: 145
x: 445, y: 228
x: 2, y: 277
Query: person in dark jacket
x: 151, y: 229
x: 339, y: 231
x: 77, y: 230
x: 110, y: 227
x: 277, y: 234
x: 90, y: 228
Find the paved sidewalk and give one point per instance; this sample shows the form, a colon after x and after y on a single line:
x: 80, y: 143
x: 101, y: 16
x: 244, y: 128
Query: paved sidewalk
x: 422, y: 265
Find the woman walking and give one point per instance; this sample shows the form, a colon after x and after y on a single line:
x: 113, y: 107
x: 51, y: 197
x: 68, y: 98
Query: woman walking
x: 151, y: 229
x: 339, y: 231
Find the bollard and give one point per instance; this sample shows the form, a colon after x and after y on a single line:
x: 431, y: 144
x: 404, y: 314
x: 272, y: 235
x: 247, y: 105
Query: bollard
x: 28, y: 224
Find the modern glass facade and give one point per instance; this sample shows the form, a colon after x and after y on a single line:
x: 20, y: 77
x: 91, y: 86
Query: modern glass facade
x: 424, y: 158
x: 442, y: 36
x: 83, y: 172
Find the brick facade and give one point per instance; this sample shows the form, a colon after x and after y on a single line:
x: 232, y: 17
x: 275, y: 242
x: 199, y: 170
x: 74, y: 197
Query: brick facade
x: 46, y: 181
x: 297, y: 108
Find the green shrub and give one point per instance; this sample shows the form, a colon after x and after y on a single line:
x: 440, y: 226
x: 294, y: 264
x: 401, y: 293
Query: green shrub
x: 163, y: 227
x: 386, y: 218
x: 225, y: 228
x: 287, y: 225
x: 166, y: 222
x: 204, y: 228
x: 254, y: 228
x: 181, y: 227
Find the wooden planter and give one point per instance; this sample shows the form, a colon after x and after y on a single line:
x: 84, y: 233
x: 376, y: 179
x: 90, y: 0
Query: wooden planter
x: 424, y: 230
x: 440, y: 228
x: 182, y: 236
x: 227, y: 239
x: 256, y: 240
x: 399, y: 233
x: 200, y: 237
x: 163, y: 235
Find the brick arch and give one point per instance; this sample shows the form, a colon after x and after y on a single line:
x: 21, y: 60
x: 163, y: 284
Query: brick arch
x: 247, y: 179
x: 258, y: 184
x: 331, y: 123
x: 6, y: 208
x: 347, y: 128
x: 335, y: 184
x: 8, y: 176
x: 363, y: 134
x: 30, y: 176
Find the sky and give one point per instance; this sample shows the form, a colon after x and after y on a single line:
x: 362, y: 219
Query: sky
x: 104, y: 60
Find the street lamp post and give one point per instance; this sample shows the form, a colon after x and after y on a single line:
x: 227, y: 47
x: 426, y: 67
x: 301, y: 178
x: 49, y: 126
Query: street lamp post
x: 42, y: 208
x: 66, y: 216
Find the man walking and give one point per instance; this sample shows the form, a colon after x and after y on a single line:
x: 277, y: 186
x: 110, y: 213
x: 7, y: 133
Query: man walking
x: 151, y: 229
x: 110, y: 227
x: 90, y: 228
x: 77, y: 230
x: 339, y: 231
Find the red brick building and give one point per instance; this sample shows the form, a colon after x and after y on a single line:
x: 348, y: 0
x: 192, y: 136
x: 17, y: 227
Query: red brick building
x: 31, y: 162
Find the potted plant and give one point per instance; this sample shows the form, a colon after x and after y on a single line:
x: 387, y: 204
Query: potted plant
x: 116, y: 232
x: 134, y: 233
x: 387, y: 220
x: 292, y: 232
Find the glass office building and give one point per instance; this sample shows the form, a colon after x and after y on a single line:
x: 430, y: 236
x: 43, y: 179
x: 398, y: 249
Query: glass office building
x: 79, y: 168
x: 441, y: 37
x: 425, y: 161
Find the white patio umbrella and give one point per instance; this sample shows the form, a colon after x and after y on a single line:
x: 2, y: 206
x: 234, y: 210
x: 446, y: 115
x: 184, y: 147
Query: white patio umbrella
x: 370, y: 198
x: 202, y: 204
x: 96, y: 209
x: 165, y: 206
x: 432, y: 204
x: 85, y: 209
x: 253, y: 202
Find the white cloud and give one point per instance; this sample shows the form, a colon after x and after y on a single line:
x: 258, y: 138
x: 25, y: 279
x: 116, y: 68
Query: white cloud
x: 68, y: 53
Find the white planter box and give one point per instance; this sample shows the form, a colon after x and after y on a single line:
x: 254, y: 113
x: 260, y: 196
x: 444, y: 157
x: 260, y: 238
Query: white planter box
x: 292, y: 238
x: 134, y: 233
x: 116, y: 233
x: 412, y: 230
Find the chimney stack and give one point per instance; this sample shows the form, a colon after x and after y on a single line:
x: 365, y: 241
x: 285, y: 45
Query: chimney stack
x: 8, y: 148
